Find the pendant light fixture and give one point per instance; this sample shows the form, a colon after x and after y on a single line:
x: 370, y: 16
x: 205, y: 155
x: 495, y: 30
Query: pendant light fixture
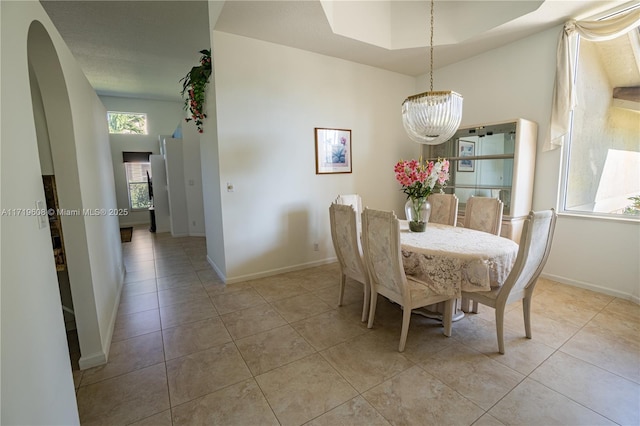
x: 432, y: 117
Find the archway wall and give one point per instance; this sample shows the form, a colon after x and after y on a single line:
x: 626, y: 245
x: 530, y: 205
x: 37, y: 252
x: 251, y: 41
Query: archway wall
x: 86, y: 164
x: 97, y: 187
x: 36, y: 380
x: 47, y: 70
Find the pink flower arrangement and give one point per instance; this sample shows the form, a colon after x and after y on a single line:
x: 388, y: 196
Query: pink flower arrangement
x: 419, y: 179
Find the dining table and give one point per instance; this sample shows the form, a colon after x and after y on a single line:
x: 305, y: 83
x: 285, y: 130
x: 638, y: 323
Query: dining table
x: 450, y: 259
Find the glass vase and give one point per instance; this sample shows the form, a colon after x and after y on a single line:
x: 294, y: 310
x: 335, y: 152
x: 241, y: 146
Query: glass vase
x: 417, y: 211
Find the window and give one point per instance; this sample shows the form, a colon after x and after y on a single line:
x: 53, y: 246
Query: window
x: 602, y: 162
x: 138, y: 186
x: 138, y: 171
x: 127, y: 122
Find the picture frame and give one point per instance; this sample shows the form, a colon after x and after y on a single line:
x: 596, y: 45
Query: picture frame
x: 466, y: 149
x: 333, y: 150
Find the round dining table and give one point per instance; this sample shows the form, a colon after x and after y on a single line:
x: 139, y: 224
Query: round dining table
x: 450, y: 259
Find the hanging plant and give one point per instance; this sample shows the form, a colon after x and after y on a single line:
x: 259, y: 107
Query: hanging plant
x: 194, y: 85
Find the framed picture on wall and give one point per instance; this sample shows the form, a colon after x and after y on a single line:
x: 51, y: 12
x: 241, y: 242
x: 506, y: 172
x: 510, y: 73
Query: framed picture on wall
x: 333, y: 151
x: 466, y: 149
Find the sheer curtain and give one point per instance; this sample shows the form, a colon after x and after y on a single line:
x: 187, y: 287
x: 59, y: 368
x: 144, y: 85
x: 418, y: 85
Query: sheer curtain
x: 563, y: 91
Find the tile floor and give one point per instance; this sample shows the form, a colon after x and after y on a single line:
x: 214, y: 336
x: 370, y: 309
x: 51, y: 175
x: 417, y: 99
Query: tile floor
x: 188, y: 350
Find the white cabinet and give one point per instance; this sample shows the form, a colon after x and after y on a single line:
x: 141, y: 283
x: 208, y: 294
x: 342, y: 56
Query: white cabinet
x: 179, y: 222
x: 492, y: 160
x: 177, y: 185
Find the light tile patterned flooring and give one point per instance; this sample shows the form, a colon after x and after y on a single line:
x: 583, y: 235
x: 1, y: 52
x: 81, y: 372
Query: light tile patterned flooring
x: 188, y: 350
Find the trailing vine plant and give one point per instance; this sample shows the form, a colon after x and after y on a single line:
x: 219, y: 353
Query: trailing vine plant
x: 194, y: 85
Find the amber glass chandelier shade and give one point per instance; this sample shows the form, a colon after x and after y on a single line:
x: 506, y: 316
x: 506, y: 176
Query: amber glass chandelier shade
x: 432, y: 118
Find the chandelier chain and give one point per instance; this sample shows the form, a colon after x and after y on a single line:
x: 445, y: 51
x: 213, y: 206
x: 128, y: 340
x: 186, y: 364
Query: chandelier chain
x: 432, y: 117
x: 431, y: 48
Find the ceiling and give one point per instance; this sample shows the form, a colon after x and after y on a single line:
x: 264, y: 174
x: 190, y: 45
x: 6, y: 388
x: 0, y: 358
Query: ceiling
x: 143, y: 48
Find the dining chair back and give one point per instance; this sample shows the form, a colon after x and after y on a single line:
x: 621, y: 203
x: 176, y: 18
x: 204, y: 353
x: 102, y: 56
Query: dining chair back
x: 383, y: 260
x: 350, y: 199
x: 344, y: 235
x: 484, y: 214
x: 535, y: 245
x: 356, y: 201
x: 444, y: 209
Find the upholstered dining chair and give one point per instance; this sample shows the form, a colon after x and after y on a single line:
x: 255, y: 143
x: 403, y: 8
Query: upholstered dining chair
x: 350, y: 199
x: 444, y: 209
x: 383, y: 259
x: 345, y: 238
x: 535, y: 245
x: 356, y: 201
x: 484, y: 214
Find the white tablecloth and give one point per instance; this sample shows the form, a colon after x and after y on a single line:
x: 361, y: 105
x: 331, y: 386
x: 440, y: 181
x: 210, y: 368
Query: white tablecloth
x: 451, y: 259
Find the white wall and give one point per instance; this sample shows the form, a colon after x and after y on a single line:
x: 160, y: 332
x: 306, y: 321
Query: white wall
x: 40, y: 119
x: 36, y: 383
x: 162, y: 119
x: 269, y: 99
x: 104, y: 246
x: 517, y: 81
x: 210, y: 166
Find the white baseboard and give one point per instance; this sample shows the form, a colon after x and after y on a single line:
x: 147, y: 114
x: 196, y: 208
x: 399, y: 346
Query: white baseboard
x: 216, y: 269
x: 94, y: 360
x: 106, y: 343
x: 179, y: 235
x: 101, y: 358
x: 592, y: 287
x: 278, y: 271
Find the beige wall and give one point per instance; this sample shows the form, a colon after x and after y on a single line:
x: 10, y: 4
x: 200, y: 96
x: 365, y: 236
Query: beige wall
x: 269, y: 100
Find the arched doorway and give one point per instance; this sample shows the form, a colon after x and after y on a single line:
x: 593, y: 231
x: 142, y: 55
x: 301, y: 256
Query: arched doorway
x: 58, y: 164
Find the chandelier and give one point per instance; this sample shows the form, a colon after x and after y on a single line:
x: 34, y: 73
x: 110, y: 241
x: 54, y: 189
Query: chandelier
x: 432, y: 117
